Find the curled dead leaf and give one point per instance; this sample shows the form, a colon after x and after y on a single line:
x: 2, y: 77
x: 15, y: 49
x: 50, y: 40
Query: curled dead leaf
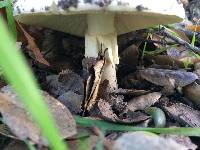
x: 98, y: 69
x: 38, y: 55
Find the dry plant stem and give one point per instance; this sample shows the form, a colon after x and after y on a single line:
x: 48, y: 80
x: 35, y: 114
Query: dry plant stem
x: 101, y: 36
x: 180, y: 41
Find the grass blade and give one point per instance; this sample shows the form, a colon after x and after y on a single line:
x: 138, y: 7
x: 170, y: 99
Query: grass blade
x: 29, y: 145
x: 19, y: 75
x: 10, y: 18
x: 107, y: 126
x: 193, y: 39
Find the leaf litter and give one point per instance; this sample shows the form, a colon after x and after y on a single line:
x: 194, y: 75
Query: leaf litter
x: 163, y: 78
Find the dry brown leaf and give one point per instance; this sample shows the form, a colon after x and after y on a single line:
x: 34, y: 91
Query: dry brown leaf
x: 33, y: 46
x: 165, y: 60
x: 72, y: 100
x: 183, y: 114
x: 156, y: 37
x: 21, y: 124
x: 98, y: 69
x: 16, y: 145
x: 106, y: 111
x: 194, y: 28
x: 143, y: 102
x: 190, y: 59
x: 135, y: 117
x: 182, y: 35
x: 192, y: 92
x: 130, y: 56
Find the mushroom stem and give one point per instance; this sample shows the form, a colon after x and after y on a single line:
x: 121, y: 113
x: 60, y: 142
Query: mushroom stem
x: 101, y: 35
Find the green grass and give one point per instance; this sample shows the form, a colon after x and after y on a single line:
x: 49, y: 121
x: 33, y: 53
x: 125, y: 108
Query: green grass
x: 9, y: 12
x: 19, y: 75
x: 29, y: 145
x: 108, y: 126
x: 10, y: 18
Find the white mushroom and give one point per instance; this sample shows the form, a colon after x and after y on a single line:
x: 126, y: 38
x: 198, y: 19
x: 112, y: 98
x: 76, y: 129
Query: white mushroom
x: 99, y: 21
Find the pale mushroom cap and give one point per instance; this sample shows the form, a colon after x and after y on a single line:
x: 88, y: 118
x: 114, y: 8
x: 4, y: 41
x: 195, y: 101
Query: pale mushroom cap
x: 70, y: 16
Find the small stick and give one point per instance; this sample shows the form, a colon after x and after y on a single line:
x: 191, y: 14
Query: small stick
x: 167, y: 33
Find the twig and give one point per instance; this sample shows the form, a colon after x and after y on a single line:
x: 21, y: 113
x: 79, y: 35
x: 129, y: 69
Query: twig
x: 167, y: 33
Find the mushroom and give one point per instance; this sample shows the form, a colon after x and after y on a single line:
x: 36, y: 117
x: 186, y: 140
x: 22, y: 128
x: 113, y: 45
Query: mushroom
x: 99, y: 21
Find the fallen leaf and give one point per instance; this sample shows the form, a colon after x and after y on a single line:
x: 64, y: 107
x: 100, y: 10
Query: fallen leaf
x: 104, y: 110
x: 21, y: 124
x: 98, y: 70
x: 33, y: 46
x: 64, y: 82
x: 72, y: 101
x: 143, y: 102
x: 194, y: 28
x: 183, y: 114
x: 182, y: 35
x: 16, y: 145
x: 158, y: 38
x: 164, y: 60
x: 18, y: 121
x: 129, y: 56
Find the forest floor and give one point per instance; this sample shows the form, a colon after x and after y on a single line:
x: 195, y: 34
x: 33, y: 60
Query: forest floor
x: 158, y: 86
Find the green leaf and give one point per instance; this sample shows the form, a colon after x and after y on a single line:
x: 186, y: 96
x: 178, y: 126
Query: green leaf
x: 107, y: 126
x: 21, y: 78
